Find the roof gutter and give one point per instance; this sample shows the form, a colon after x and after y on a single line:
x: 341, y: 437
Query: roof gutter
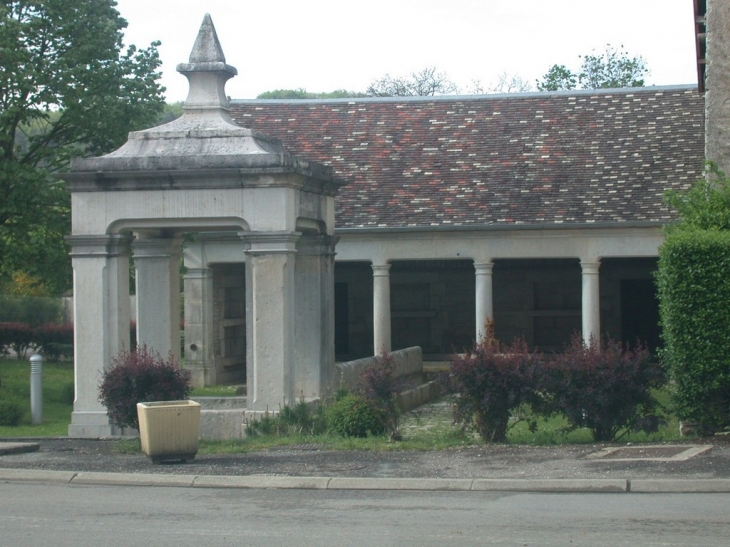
x: 502, y: 227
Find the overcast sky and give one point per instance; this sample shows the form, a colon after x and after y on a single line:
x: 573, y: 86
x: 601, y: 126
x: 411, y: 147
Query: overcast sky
x: 322, y: 45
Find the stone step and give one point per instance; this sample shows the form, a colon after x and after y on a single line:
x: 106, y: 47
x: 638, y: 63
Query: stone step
x: 221, y: 403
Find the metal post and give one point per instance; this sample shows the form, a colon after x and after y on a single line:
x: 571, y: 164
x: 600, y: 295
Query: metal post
x: 36, y: 388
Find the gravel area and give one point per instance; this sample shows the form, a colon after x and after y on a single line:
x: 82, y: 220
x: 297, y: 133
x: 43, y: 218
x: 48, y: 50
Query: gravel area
x: 493, y: 461
x: 608, y: 461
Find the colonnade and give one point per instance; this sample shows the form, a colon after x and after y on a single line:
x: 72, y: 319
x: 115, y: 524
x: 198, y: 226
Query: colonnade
x: 591, y: 311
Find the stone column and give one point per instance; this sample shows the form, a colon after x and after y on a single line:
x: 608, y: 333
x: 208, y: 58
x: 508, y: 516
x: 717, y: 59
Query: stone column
x: 157, y: 265
x: 101, y: 323
x: 484, y: 301
x: 270, y: 324
x: 314, y: 356
x: 591, y: 308
x: 199, y: 327
x: 381, y: 308
x: 717, y: 80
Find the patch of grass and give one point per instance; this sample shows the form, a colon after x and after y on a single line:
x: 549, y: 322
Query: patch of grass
x: 431, y: 428
x: 553, y: 431
x: 57, y: 401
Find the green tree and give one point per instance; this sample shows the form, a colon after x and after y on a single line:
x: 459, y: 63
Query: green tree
x: 612, y: 69
x: 301, y: 93
x: 67, y: 88
x: 558, y: 78
x: 705, y: 206
x: 423, y: 83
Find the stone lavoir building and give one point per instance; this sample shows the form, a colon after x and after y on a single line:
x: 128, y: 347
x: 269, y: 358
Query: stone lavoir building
x: 541, y: 210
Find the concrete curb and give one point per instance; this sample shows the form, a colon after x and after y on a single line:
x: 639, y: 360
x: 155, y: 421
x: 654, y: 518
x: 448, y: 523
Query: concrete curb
x: 18, y: 447
x: 653, y: 486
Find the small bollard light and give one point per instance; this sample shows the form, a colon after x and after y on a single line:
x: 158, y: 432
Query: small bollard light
x: 36, y: 389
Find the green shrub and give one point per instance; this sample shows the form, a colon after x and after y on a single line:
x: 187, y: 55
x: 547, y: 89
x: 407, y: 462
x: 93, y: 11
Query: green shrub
x: 378, y: 385
x: 68, y: 393
x: 140, y: 376
x: 10, y: 413
x: 355, y: 416
x: 18, y: 336
x: 54, y: 340
x: 33, y: 310
x: 694, y: 295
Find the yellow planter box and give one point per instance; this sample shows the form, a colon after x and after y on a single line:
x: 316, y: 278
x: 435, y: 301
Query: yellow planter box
x: 169, y: 430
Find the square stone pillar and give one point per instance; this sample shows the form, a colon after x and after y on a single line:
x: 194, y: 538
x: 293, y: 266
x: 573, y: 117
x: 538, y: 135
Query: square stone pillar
x: 270, y: 320
x: 199, y: 326
x: 314, y: 315
x: 101, y: 323
x: 157, y: 265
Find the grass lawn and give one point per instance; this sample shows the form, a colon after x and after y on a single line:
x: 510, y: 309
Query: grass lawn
x: 57, y: 397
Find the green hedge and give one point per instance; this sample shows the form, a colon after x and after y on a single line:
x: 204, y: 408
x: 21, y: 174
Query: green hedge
x: 694, y: 293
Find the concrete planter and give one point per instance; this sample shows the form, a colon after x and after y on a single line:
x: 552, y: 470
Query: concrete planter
x: 169, y: 430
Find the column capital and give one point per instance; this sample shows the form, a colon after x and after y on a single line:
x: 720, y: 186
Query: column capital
x: 198, y: 273
x: 382, y: 270
x: 483, y: 268
x: 318, y: 245
x: 92, y: 246
x: 266, y: 243
x: 590, y: 267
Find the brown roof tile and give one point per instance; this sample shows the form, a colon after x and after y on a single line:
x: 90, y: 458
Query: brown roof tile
x: 570, y: 157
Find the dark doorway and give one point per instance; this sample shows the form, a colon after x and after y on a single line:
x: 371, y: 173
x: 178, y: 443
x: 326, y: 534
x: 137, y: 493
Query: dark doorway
x: 342, y: 326
x: 639, y: 312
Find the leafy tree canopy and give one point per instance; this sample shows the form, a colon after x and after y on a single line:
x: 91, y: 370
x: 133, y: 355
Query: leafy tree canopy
x: 423, y: 83
x: 705, y: 206
x: 302, y: 93
x: 67, y: 88
x: 611, y: 69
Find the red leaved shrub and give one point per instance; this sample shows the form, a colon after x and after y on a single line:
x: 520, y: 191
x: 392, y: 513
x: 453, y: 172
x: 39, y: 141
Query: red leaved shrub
x: 140, y: 376
x: 605, y: 387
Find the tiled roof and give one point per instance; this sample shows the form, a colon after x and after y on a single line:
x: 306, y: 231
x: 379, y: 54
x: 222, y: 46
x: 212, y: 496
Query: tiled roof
x: 569, y: 157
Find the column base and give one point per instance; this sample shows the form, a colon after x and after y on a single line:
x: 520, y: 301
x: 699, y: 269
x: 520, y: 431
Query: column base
x: 95, y: 424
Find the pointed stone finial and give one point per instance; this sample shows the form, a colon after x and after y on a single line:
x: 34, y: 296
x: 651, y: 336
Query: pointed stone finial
x: 207, y: 72
x: 207, y: 48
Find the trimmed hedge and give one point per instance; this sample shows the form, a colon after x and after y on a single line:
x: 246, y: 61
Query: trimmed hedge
x: 694, y: 292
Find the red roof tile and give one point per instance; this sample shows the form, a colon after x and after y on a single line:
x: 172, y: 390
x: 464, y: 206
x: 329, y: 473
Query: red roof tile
x: 569, y: 157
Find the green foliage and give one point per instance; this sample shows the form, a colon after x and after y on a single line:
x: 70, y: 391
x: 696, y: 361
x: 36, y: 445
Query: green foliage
x: 558, y: 78
x: 302, y: 418
x: 170, y: 112
x: 611, y: 69
x: 32, y: 310
x: 301, y: 93
x: 66, y: 89
x: 10, y: 413
x: 57, y: 377
x: 378, y: 385
x: 694, y: 295
x: 355, y: 416
x: 140, y: 376
x: 706, y: 206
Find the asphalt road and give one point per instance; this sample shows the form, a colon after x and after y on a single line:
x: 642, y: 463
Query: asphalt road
x: 80, y: 516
